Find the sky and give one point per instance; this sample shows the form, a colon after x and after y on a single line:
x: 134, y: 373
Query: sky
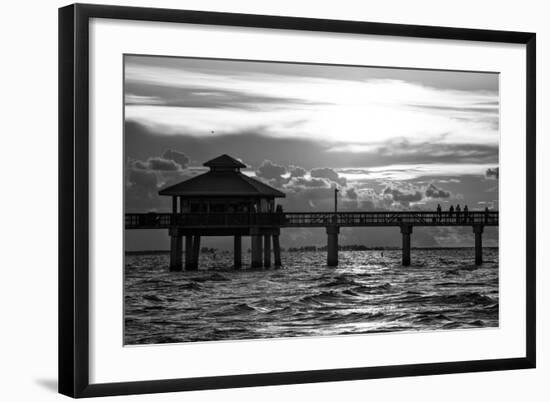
x: 387, y: 138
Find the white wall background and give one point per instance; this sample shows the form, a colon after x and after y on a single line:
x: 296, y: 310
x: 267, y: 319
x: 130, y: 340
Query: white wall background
x: 28, y: 205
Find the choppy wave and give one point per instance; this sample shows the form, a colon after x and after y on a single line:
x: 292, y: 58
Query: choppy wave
x: 367, y: 293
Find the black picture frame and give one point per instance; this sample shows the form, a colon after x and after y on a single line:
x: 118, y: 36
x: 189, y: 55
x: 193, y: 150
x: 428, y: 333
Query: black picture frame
x: 74, y: 192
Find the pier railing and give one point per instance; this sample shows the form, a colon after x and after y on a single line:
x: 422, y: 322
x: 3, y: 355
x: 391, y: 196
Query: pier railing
x: 423, y: 218
x: 310, y: 219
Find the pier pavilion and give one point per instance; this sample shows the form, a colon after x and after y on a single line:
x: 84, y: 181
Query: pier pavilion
x: 223, y: 193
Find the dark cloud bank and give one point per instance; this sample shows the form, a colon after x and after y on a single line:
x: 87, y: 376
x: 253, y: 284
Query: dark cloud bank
x: 141, y: 142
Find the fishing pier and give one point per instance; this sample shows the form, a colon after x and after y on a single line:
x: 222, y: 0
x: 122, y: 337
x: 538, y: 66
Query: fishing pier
x: 225, y: 202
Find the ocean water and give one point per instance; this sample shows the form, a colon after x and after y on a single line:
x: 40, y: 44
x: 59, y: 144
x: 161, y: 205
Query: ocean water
x: 368, y: 292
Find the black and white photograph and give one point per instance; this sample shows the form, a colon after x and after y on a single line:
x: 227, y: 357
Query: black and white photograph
x: 268, y: 199
x: 275, y: 201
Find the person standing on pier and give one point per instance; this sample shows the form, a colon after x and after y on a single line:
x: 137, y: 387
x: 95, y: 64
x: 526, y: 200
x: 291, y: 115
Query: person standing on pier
x: 457, y: 213
x: 466, y: 213
x: 280, y: 216
x: 451, y: 211
x: 439, y: 212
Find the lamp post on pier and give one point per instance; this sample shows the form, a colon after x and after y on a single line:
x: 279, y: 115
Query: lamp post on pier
x: 335, y: 203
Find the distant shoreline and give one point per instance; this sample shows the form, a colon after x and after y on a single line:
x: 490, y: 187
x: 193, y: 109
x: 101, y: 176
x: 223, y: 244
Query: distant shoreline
x: 311, y: 249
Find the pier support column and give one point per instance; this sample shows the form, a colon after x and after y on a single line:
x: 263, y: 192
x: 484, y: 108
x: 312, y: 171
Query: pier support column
x: 406, y: 231
x: 277, y: 250
x: 176, y: 250
x: 174, y: 209
x: 478, y: 231
x: 267, y: 251
x: 237, y: 252
x: 188, y: 252
x: 256, y: 245
x: 195, y: 253
x: 332, y: 245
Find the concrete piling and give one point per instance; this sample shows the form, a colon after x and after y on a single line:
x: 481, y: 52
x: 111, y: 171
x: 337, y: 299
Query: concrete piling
x: 176, y: 250
x: 406, y: 231
x: 195, y: 254
x: 332, y: 245
x: 276, y: 250
x: 188, y: 252
x: 478, y: 231
x: 267, y: 251
x: 256, y: 246
x: 237, y: 252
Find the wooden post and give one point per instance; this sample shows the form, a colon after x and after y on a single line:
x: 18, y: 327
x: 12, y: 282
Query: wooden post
x: 267, y: 251
x: 406, y: 231
x: 478, y: 231
x: 176, y: 244
x: 277, y: 250
x: 256, y: 245
x: 332, y: 245
x: 237, y: 252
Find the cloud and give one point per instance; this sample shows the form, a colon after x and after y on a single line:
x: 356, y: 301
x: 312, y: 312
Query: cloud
x: 156, y: 163
x: 179, y: 157
x: 438, y: 149
x: 204, y: 104
x: 162, y: 164
x: 141, y: 193
x: 194, y: 95
x: 490, y: 107
x: 328, y: 173
x: 269, y: 170
x: 130, y: 99
x: 492, y: 173
x: 296, y: 171
x: 434, y: 192
x: 402, y: 197
x: 351, y: 194
x: 414, y: 194
x: 142, y: 178
x: 141, y: 165
x: 316, y: 190
x: 313, y: 182
x: 436, y: 159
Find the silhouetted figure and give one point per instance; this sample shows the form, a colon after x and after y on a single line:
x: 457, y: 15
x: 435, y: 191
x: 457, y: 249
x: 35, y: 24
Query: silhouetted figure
x: 466, y: 213
x: 439, y: 212
x: 451, y: 211
x: 457, y: 213
x: 279, y: 211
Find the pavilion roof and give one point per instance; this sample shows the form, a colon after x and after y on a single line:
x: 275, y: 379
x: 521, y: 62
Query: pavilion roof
x: 222, y: 183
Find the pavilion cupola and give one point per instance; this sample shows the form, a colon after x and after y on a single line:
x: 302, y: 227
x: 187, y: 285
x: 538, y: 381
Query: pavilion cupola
x: 224, y: 163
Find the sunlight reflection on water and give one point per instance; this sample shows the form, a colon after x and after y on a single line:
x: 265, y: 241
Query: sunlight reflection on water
x: 367, y: 292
